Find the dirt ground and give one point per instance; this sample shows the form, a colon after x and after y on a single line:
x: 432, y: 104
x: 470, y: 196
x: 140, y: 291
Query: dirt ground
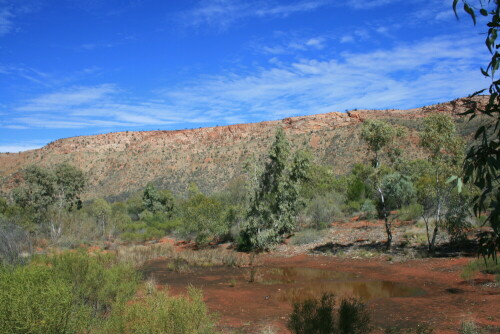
x: 437, y: 295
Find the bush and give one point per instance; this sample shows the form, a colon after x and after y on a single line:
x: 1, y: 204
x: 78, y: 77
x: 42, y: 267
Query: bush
x: 469, y: 327
x: 313, y: 316
x: 158, y: 312
x: 487, y: 266
x: 369, y: 209
x: 411, y: 212
x: 351, y: 207
x: 398, y: 190
x: 97, y: 281
x: 35, y: 301
x: 317, y: 316
x: 13, y: 240
x: 353, y: 317
x: 323, y: 210
x: 306, y: 237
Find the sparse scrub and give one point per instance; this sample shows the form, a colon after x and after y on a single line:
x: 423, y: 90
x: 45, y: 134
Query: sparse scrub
x: 469, y: 327
x: 318, y: 316
x: 137, y: 255
x: 306, y: 236
x: 160, y: 313
x: 485, y: 265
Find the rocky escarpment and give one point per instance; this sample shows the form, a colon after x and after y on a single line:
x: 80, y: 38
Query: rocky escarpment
x: 123, y: 162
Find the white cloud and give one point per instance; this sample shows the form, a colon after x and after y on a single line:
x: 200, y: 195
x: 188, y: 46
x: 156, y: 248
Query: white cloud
x: 368, y: 4
x: 68, y: 98
x: 404, y: 76
x: 223, y: 13
x: 6, y: 24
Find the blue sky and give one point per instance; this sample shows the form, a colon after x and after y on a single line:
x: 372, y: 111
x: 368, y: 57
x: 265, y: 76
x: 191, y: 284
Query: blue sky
x: 82, y: 67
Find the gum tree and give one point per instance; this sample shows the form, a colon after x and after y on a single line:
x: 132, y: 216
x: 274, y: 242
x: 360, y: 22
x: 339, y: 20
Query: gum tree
x: 276, y: 201
x: 379, y: 135
x: 483, y: 159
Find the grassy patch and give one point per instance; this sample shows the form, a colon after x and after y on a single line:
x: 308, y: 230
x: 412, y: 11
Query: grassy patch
x: 486, y: 266
x: 306, y: 237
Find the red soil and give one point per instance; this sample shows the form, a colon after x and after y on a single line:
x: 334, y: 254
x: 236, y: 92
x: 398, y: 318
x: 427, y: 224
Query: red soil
x: 448, y: 299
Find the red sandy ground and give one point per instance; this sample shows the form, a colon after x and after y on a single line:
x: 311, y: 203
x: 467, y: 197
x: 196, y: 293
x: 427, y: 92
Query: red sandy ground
x: 448, y: 300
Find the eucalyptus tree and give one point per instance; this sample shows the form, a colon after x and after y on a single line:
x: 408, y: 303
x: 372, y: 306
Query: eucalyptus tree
x: 379, y: 137
x: 276, y: 201
x: 445, y: 148
x: 483, y: 158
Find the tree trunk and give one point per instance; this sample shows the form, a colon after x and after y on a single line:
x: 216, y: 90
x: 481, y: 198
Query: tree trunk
x: 386, y: 219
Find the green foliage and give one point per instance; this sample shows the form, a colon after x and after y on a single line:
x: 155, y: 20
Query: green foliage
x: 156, y: 201
x: 205, y: 217
x: 440, y: 138
x: 353, y: 317
x: 101, y: 211
x: 457, y: 218
x: 369, y: 209
x: 378, y: 135
x: 97, y: 281
x: 157, y: 312
x: 317, y: 316
x: 313, y: 316
x: 58, y: 189
x: 306, y: 236
x: 13, y: 240
x: 276, y: 201
x: 411, y: 212
x: 320, y: 181
x: 483, y: 158
x: 35, y: 301
x: 434, y: 192
x: 324, y: 209
x: 398, y: 191
x: 486, y: 265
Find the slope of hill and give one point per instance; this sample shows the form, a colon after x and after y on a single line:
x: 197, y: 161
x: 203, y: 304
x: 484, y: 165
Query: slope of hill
x: 123, y: 162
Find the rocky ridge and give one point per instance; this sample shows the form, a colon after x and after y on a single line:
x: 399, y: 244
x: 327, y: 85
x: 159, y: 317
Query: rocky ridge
x: 123, y: 162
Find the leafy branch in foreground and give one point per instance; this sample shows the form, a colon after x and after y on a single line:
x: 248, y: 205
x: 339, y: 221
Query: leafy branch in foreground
x: 483, y: 159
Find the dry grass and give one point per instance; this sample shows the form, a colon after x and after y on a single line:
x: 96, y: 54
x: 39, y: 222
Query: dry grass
x: 181, y: 260
x: 137, y: 255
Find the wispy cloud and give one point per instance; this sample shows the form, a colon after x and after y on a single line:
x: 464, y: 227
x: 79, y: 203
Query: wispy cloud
x: 292, y: 44
x: 368, y: 4
x: 404, y: 76
x: 223, y: 13
x: 6, y: 24
x: 69, y: 98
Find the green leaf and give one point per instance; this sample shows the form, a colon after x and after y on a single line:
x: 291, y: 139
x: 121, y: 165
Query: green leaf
x: 483, y: 12
x: 470, y: 11
x: 452, y: 178
x: 455, y: 2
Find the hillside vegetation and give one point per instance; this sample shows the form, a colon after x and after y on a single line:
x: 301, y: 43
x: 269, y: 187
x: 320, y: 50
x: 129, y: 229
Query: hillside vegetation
x: 121, y: 163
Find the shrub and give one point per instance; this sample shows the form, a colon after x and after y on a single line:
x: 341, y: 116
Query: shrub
x: 305, y: 237
x: 160, y: 313
x: 369, y: 209
x: 313, y: 316
x: 317, y: 316
x: 13, y: 240
x: 411, y: 212
x: 35, y: 301
x: 469, y: 327
x: 353, y: 317
x: 323, y: 210
x: 97, y: 281
x: 486, y: 265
